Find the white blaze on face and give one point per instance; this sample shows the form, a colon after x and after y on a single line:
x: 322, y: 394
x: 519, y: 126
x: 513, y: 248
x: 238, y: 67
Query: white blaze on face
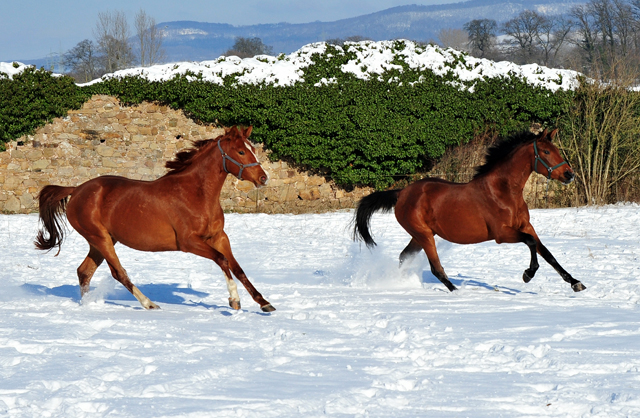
x: 250, y: 148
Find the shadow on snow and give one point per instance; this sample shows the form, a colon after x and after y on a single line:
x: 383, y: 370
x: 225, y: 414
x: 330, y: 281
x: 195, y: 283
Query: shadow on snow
x: 459, y: 281
x: 161, y: 293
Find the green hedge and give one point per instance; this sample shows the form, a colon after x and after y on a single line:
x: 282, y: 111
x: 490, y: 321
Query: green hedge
x: 32, y: 99
x: 359, y: 132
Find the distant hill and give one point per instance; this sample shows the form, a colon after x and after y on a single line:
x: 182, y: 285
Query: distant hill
x: 199, y: 41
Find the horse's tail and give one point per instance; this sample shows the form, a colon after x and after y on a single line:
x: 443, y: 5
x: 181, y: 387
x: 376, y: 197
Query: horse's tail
x: 53, y: 204
x: 368, y: 205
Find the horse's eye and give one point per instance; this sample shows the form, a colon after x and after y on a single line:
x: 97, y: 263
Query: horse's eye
x: 546, y: 152
x: 242, y: 152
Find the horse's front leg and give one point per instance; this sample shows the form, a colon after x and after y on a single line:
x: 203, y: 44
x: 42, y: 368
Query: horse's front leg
x: 533, y: 265
x: 576, y: 285
x: 221, y: 243
x: 512, y: 235
x: 530, y: 236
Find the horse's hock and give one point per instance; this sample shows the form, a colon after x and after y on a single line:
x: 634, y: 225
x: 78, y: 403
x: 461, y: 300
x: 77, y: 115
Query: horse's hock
x: 106, y: 137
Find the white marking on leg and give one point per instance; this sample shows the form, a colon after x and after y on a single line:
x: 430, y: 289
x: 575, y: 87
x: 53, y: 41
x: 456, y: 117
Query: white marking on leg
x: 233, y: 289
x: 144, y: 301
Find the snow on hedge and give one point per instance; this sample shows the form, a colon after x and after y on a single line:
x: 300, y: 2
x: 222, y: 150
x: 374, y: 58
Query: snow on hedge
x: 372, y: 59
x: 9, y: 69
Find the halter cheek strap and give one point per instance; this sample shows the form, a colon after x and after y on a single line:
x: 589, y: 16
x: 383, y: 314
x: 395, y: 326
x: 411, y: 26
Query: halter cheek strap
x: 538, y: 159
x: 226, y: 157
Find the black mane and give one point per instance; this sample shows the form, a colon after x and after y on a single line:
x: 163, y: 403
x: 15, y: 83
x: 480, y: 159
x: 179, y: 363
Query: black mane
x: 503, y: 149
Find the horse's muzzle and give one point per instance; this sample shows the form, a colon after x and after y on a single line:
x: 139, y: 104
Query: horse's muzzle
x: 569, y: 176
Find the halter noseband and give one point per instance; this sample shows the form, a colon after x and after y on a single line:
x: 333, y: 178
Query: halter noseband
x: 226, y: 157
x: 537, y: 159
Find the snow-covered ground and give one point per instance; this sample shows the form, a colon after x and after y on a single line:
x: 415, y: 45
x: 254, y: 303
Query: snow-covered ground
x: 352, y: 335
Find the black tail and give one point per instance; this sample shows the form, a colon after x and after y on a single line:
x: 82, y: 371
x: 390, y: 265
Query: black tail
x: 368, y: 205
x: 52, y: 205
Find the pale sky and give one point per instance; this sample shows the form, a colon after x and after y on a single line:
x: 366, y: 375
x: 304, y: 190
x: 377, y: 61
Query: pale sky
x: 33, y: 29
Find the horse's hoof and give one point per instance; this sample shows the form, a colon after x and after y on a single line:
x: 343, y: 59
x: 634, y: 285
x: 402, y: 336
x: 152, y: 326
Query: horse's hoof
x: 235, y: 304
x: 267, y: 308
x: 577, y: 287
x: 525, y: 277
x: 152, y: 306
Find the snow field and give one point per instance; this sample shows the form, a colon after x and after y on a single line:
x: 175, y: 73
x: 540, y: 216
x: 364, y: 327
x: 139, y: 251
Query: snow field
x: 352, y: 335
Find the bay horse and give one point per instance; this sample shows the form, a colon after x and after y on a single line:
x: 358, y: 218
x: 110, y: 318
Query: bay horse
x: 179, y: 211
x: 489, y: 207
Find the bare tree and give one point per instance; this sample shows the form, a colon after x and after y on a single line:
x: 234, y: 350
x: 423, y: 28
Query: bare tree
x: 609, y: 31
x: 249, y: 47
x: 112, y: 35
x: 524, y: 32
x: 535, y: 37
x: 552, y: 36
x: 482, y: 35
x: 352, y: 38
x: 149, y: 39
x: 83, y: 61
x: 454, y: 38
x: 587, y: 30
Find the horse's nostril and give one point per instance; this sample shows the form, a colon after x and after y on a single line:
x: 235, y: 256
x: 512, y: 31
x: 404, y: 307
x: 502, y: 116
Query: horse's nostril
x: 569, y: 176
x: 263, y: 179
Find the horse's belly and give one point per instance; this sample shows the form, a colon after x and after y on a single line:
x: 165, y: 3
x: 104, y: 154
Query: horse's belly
x: 145, y: 235
x: 468, y: 229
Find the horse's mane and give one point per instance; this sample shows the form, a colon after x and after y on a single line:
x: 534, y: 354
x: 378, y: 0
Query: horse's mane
x: 503, y: 149
x: 183, y: 159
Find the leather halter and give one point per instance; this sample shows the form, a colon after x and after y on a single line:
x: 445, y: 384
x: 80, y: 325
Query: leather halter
x: 226, y: 157
x: 537, y: 159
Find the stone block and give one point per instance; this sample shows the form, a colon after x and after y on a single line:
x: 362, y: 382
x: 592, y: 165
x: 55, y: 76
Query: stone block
x: 12, y: 205
x: 109, y: 163
x: 26, y: 200
x: 244, y: 186
x: 40, y: 165
x: 34, y: 155
x: 104, y: 151
x: 310, y: 194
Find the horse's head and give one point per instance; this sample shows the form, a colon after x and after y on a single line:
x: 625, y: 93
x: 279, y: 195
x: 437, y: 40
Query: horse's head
x: 239, y: 157
x: 548, y: 161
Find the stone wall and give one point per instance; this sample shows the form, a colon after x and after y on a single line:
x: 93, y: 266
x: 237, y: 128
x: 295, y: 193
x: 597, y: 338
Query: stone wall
x: 106, y: 137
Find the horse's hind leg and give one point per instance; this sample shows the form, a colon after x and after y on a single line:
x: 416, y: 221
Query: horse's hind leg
x: 105, y: 245
x: 428, y: 243
x: 410, y: 251
x: 88, y: 268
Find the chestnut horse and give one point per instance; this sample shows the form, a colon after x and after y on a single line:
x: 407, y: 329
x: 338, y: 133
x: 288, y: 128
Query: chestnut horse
x: 177, y: 212
x: 489, y: 207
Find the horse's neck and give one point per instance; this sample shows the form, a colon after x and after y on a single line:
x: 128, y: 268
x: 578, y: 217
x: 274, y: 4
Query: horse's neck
x: 515, y: 171
x: 206, y: 174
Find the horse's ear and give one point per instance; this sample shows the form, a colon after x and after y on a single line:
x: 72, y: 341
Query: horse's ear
x: 544, y: 133
x: 247, y: 131
x: 553, y: 134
